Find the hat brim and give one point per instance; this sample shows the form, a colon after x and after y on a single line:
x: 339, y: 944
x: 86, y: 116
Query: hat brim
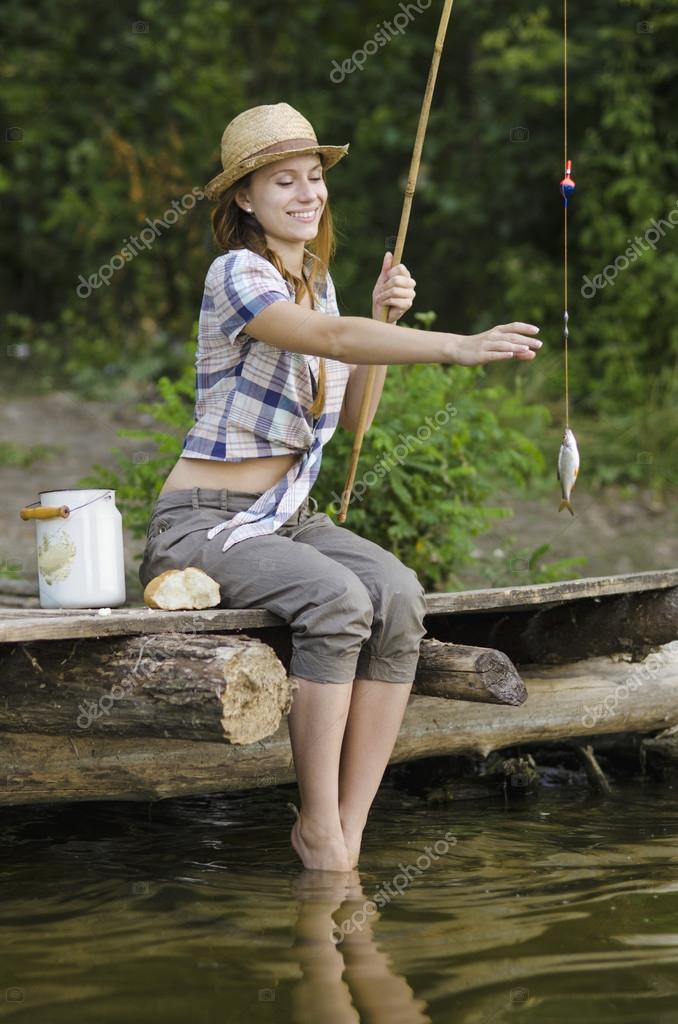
x: 217, y: 185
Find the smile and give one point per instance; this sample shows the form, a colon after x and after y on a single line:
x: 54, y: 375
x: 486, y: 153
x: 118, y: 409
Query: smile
x: 307, y: 216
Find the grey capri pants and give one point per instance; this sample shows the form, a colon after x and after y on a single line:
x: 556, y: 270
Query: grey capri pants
x: 354, y: 610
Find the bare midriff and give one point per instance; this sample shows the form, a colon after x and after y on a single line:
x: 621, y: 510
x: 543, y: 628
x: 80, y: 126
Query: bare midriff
x: 255, y: 475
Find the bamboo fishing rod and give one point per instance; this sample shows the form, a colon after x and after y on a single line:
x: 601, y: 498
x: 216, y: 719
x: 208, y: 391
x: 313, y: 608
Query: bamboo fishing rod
x: 399, y: 246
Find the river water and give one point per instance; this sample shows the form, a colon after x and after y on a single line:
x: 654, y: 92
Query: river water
x: 556, y: 908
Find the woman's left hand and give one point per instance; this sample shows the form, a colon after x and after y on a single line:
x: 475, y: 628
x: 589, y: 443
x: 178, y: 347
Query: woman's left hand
x: 394, y: 288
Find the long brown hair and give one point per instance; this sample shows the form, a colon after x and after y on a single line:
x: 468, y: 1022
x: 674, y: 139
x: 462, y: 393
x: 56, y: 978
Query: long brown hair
x: 234, y: 228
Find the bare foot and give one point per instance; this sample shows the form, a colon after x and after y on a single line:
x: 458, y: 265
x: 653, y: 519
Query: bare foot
x: 316, y: 847
x: 353, y: 838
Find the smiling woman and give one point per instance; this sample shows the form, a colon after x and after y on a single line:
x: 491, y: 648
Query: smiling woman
x: 276, y: 372
x: 272, y: 211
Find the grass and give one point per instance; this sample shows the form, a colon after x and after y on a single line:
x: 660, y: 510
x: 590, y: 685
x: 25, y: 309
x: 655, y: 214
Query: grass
x: 20, y: 456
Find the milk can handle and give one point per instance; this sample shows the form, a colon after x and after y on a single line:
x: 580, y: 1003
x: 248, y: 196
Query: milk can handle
x: 35, y: 511
x: 45, y: 512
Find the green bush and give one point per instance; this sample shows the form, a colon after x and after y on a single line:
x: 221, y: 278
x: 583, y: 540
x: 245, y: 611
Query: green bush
x: 113, y: 152
x: 441, y: 445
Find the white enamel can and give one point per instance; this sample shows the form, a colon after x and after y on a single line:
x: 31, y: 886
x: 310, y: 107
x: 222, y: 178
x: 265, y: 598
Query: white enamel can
x: 80, y: 551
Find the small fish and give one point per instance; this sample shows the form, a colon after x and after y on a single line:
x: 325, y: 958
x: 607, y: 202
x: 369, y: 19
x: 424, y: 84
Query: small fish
x: 568, y: 467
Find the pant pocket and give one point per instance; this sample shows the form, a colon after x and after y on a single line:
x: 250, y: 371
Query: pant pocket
x: 161, y: 521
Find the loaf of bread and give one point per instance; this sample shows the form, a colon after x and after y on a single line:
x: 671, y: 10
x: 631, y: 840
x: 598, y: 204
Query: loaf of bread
x: 178, y: 589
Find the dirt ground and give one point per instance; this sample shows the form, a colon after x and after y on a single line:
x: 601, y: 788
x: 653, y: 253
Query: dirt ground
x: 615, y: 531
x: 83, y: 433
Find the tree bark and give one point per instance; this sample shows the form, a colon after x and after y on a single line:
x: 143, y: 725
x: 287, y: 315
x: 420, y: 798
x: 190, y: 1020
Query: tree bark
x: 205, y: 687
x: 208, y: 687
x: 595, y: 697
x: 467, y: 673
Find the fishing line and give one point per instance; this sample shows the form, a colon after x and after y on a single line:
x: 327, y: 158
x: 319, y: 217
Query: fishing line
x: 567, y: 188
x: 568, y: 454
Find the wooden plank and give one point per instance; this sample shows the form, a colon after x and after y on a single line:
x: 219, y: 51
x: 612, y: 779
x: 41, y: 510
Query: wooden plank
x: 55, y: 623
x: 562, y: 704
x: 519, y: 598
x: 629, y: 623
x: 62, y: 624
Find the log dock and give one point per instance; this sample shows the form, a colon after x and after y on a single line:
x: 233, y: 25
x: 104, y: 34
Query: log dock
x: 143, y: 704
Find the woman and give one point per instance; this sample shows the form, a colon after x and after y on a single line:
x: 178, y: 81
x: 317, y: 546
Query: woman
x: 277, y: 369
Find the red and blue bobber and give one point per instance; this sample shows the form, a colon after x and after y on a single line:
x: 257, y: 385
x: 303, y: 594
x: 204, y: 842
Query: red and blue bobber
x: 567, y: 185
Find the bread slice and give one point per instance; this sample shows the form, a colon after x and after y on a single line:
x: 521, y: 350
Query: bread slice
x: 178, y: 589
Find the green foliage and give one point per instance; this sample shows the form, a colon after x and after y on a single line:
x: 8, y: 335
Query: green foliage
x: 139, y: 478
x: 22, y: 455
x: 441, y: 443
x: 623, y: 346
x: 102, y: 155
x: 11, y: 570
x: 516, y: 566
x: 428, y: 468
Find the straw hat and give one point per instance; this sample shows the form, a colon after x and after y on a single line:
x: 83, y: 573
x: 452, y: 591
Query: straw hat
x: 259, y: 136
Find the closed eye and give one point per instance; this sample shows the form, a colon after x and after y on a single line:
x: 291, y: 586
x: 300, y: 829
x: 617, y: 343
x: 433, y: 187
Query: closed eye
x: 286, y: 183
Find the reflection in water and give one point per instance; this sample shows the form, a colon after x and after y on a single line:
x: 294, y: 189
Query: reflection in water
x: 345, y: 977
x: 558, y: 908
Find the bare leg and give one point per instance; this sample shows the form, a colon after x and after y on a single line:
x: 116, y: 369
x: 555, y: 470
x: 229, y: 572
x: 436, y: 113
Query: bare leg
x: 316, y: 723
x: 372, y: 727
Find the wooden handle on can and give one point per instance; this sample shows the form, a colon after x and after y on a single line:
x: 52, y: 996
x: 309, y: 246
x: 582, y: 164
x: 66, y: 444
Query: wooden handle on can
x: 45, y: 512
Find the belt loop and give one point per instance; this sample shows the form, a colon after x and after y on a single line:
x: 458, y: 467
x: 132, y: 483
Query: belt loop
x: 194, y: 498
x: 223, y: 499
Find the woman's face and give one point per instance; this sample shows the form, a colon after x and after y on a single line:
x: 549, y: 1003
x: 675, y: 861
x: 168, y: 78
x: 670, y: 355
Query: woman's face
x: 288, y: 187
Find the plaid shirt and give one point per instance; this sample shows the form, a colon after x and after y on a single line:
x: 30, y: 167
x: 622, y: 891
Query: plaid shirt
x: 251, y: 396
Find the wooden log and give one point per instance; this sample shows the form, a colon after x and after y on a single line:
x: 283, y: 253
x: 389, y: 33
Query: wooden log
x: 634, y: 623
x: 205, y: 687
x: 563, y: 704
x: 664, y: 746
x: 208, y: 687
x: 467, y: 673
x: 450, y: 671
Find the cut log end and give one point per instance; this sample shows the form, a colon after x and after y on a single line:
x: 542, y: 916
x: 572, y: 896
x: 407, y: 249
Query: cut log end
x: 501, y: 678
x: 460, y: 672
x: 257, y: 694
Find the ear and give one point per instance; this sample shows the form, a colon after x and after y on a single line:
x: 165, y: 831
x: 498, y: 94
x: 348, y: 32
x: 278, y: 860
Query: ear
x: 241, y: 199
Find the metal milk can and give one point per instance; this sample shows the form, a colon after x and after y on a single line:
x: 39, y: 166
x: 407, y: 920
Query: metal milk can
x: 79, y: 547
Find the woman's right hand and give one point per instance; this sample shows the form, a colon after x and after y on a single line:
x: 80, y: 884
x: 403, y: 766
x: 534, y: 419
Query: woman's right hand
x: 506, y: 341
